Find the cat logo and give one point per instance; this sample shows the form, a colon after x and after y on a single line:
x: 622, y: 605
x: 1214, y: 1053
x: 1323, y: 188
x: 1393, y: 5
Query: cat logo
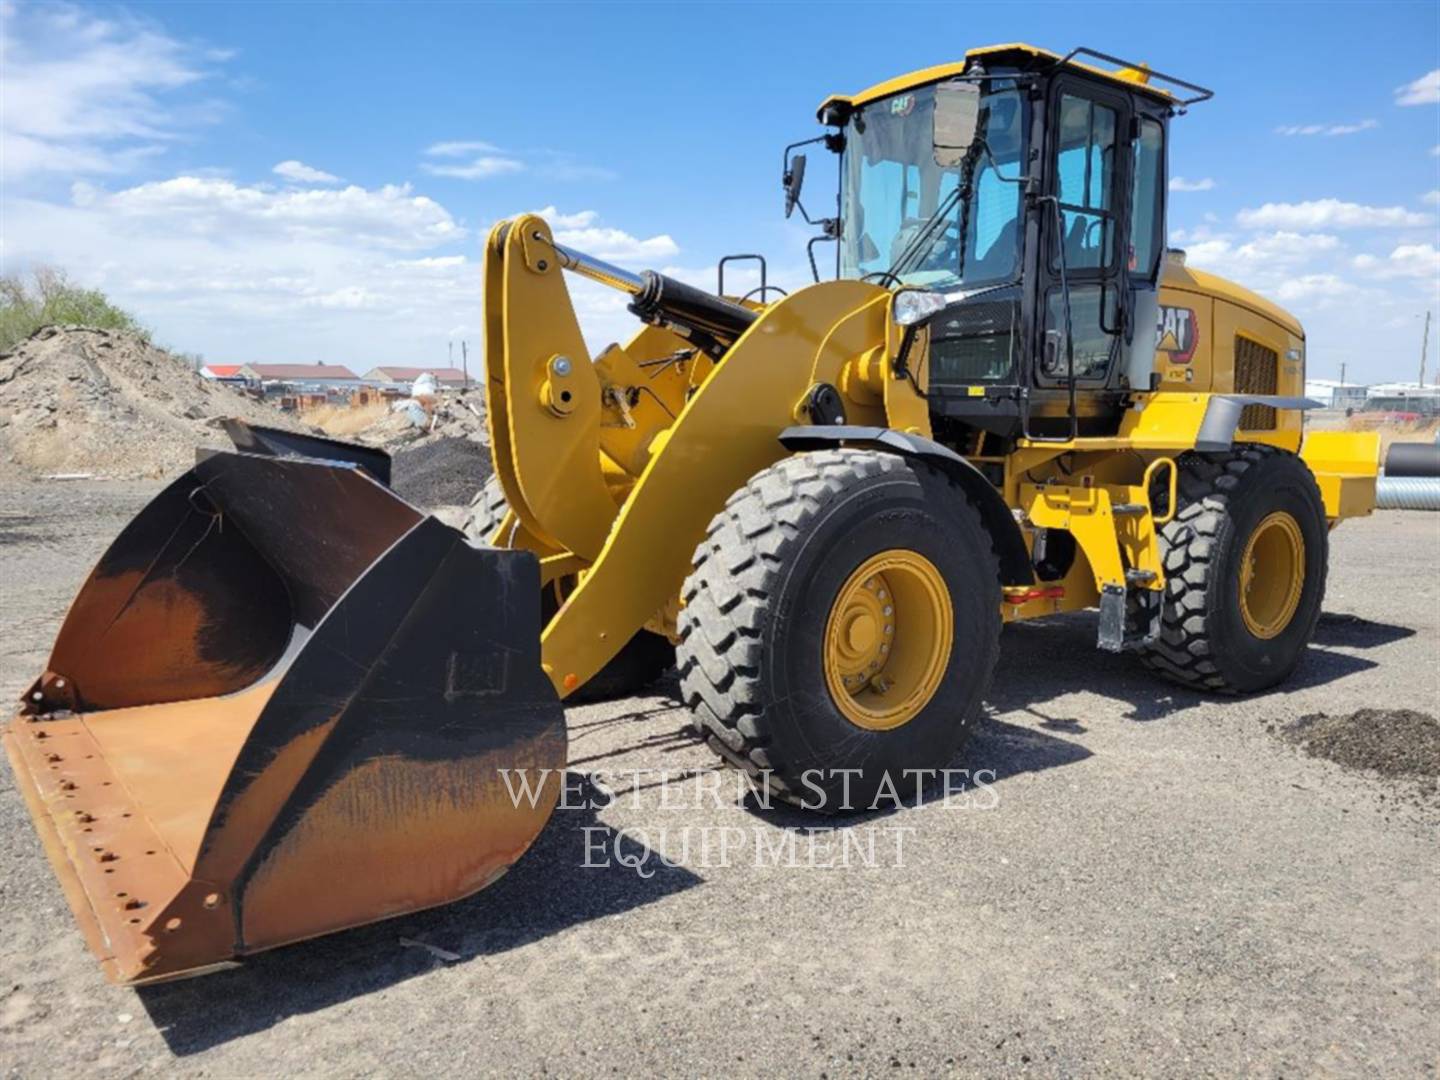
x: 1177, y: 332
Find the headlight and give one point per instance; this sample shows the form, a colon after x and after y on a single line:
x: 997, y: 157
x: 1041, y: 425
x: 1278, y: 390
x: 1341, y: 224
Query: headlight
x: 916, y: 305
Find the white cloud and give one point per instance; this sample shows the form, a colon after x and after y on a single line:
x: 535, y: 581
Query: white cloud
x: 580, y: 220
x: 1261, y: 257
x: 486, y: 160
x: 1327, y: 129
x: 460, y: 149
x: 1179, y: 183
x: 387, y: 217
x: 304, y: 174
x: 615, y: 245
x: 1287, y: 246
x: 581, y: 230
x: 86, y: 94
x: 350, y: 298
x: 1406, y: 261
x: 1432, y: 197
x: 1331, y: 214
x: 1423, y: 91
x: 1311, y: 286
x: 346, y: 275
x: 1435, y: 151
x: 481, y: 168
x: 433, y: 262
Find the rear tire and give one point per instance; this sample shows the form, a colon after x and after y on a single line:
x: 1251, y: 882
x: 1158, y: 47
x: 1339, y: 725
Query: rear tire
x: 1215, y: 633
x: 643, y: 660
x: 757, y: 651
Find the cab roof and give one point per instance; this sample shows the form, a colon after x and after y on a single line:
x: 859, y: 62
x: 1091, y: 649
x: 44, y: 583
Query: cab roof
x: 1136, y: 77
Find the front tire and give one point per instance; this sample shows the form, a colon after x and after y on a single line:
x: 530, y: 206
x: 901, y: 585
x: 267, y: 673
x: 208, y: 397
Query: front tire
x: 1245, y: 562
x: 840, y: 626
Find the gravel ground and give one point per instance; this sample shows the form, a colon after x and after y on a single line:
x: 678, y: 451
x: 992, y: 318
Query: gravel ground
x: 1152, y: 882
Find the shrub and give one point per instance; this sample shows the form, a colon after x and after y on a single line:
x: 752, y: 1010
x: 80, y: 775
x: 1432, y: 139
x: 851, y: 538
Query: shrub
x: 48, y: 297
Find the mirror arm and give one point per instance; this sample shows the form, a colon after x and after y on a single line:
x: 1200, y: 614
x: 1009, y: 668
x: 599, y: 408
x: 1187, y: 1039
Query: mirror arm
x: 830, y: 234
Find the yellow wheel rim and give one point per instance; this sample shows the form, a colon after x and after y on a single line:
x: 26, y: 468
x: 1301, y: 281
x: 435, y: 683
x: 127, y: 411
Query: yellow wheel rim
x: 888, y: 639
x: 1272, y: 575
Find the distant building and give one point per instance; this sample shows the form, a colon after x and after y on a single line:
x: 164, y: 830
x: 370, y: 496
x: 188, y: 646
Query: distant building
x: 223, y: 372
x: 448, y: 378
x: 329, y: 376
x: 1334, y: 394
x: 1404, y: 398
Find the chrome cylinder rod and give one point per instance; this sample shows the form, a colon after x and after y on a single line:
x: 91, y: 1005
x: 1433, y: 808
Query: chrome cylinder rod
x: 577, y: 262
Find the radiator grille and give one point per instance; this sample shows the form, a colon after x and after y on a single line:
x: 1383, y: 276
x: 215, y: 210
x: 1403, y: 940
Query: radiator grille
x: 1257, y: 371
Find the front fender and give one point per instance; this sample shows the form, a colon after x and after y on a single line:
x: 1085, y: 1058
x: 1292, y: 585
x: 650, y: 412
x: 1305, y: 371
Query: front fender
x: 1015, y: 565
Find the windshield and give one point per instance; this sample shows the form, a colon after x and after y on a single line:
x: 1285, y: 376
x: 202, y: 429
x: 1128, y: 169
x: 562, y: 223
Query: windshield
x: 892, y: 185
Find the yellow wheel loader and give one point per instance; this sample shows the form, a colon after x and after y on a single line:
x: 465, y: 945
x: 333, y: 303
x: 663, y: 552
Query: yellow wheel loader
x: 287, y: 702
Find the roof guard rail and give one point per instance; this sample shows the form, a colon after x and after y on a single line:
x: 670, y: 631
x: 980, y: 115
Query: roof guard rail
x: 1200, y: 92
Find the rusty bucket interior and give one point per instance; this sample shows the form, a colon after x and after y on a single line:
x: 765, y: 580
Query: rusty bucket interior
x: 284, y: 703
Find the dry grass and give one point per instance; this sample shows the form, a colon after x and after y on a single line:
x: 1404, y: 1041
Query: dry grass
x: 1393, y: 431
x: 341, y: 420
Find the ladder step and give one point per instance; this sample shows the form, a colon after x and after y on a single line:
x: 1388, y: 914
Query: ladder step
x: 1139, y: 577
x: 1129, y: 509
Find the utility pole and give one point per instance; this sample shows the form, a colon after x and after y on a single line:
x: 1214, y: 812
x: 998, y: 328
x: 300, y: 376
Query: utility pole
x: 450, y: 354
x: 1424, y: 348
x: 465, y: 363
x: 1342, y: 374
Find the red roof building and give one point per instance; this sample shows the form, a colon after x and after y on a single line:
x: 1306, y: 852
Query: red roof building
x: 445, y: 376
x: 319, y: 374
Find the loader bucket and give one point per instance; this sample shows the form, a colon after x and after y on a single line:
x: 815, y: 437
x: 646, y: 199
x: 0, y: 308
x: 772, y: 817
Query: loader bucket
x: 284, y: 703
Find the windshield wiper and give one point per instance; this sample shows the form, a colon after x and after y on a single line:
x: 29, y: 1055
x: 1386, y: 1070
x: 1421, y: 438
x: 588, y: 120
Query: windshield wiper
x: 929, y: 232
x: 925, y: 238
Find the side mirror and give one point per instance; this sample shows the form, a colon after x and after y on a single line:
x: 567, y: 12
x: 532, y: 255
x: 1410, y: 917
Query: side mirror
x: 956, y: 121
x: 794, y: 180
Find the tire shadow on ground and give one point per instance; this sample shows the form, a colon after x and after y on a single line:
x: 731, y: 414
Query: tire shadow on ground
x: 1044, y: 659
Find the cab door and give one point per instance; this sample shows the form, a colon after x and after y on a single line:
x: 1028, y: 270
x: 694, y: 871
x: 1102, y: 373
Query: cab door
x: 1086, y: 244
x: 1145, y: 251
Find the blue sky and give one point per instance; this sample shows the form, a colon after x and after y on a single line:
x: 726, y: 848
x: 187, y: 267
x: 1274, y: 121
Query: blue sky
x: 142, y: 142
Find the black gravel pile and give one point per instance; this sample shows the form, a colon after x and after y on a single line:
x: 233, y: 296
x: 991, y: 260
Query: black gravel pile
x: 1396, y: 743
x: 442, y: 472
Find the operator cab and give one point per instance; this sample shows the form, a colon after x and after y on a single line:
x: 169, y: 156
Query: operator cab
x: 1021, y: 196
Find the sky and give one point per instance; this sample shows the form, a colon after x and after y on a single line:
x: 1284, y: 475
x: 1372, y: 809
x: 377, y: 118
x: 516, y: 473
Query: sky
x: 310, y: 182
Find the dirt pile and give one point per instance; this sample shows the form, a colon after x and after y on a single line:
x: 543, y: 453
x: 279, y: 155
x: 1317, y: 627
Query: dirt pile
x: 107, y: 403
x: 1396, y: 743
x: 455, y: 415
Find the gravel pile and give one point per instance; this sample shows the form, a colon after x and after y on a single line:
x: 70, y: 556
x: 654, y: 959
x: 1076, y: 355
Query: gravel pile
x: 440, y: 472
x: 108, y: 403
x: 1396, y: 743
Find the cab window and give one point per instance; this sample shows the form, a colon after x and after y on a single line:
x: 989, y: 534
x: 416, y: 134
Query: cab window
x: 1085, y: 172
x: 1147, y: 200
